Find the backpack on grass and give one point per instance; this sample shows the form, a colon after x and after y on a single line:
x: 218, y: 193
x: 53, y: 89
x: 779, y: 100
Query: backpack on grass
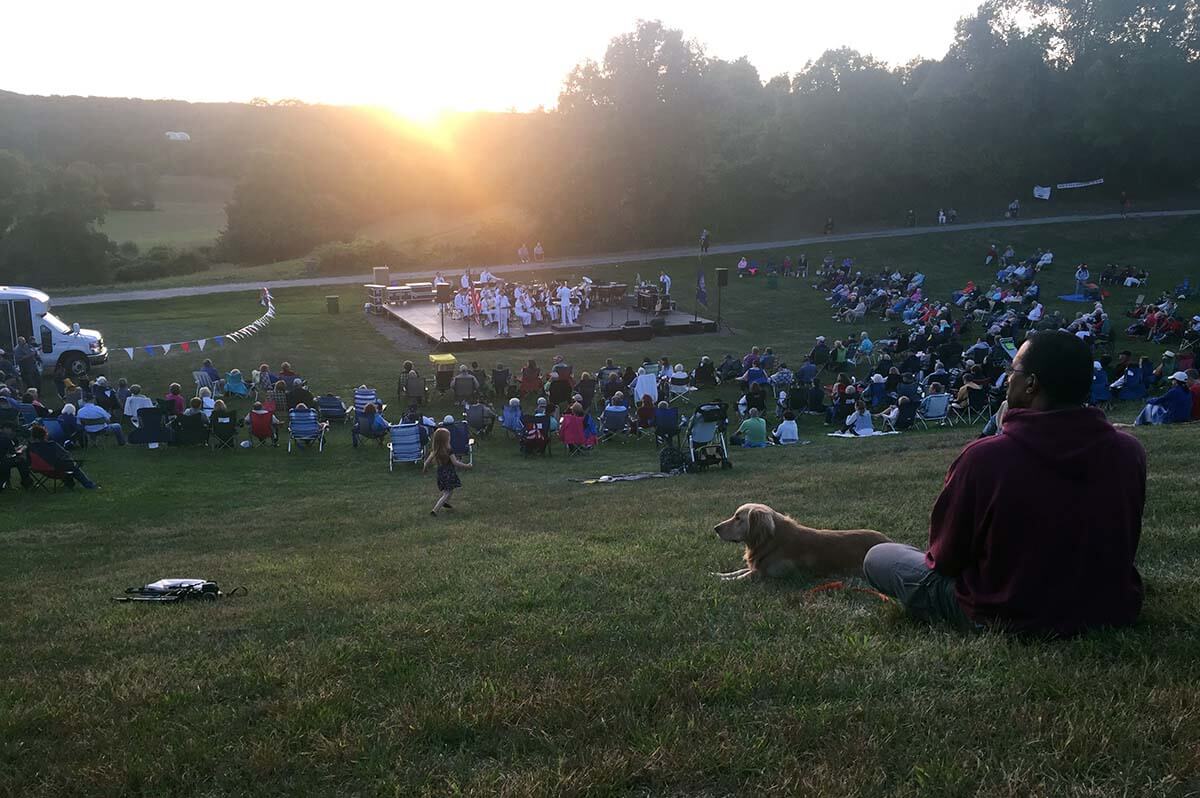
x: 671, y: 459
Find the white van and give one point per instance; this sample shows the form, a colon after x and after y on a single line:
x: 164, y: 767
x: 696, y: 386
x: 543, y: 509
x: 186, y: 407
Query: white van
x: 26, y: 312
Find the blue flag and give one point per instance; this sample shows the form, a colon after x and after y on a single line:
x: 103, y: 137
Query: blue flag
x: 149, y: 350
x: 701, y: 290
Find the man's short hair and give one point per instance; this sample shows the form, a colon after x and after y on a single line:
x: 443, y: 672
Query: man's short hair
x: 1062, y: 364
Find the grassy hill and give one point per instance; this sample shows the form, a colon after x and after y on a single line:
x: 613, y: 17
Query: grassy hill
x: 548, y: 637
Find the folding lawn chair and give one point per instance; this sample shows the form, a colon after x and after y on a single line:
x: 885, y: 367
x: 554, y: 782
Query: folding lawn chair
x: 367, y: 396
x: 679, y: 389
x: 262, y: 427
x: 332, y: 408
x: 45, y: 475
x: 613, y: 424
x: 667, y: 425
x: 152, y: 428
x: 224, y: 430
x: 235, y: 386
x: 706, y: 437
x: 305, y: 429
x: 461, y: 443
x: 937, y: 411
x: 191, y: 430
x: 404, y: 444
x: 202, y: 380
x: 978, y: 407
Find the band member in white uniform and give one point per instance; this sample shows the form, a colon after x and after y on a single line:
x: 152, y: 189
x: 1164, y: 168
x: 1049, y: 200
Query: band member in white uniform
x: 462, y: 303
x: 564, y: 301
x: 438, y: 279
x: 502, y: 306
x: 665, y: 280
x: 487, y: 277
x: 465, y: 280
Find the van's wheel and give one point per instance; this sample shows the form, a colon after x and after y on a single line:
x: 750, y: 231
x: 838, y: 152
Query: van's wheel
x: 77, y: 366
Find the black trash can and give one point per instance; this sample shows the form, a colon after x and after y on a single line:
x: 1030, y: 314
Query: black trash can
x: 331, y: 302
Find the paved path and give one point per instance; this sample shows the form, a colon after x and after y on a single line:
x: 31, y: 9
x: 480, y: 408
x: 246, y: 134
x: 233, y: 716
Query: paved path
x: 613, y: 258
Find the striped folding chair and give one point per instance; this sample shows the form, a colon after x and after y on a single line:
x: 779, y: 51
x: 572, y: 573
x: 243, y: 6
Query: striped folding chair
x: 304, y: 429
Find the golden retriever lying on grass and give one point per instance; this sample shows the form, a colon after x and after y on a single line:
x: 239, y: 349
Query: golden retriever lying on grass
x: 777, y: 545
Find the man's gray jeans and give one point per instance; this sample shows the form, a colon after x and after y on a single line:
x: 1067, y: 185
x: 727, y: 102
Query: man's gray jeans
x: 899, y: 571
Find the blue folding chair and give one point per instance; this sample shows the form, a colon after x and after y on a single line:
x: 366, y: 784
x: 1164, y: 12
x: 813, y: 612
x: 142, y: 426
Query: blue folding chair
x: 404, y: 445
x: 332, y: 408
x: 614, y: 423
x: 666, y: 425
x: 305, y: 429
x: 462, y: 445
x: 934, y: 408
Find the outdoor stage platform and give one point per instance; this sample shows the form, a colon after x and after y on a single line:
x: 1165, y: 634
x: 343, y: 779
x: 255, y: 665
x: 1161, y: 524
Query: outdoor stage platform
x: 601, y: 322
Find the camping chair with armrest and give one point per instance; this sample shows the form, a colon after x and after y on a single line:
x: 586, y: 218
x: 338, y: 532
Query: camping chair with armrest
x: 680, y: 389
x: 462, y: 445
x: 94, y: 432
x: 262, y: 427
x: 192, y: 430
x: 236, y: 386
x: 305, y: 429
x: 706, y: 436
x: 168, y: 408
x: 26, y: 416
x: 224, y: 430
x: 531, y: 382
x: 533, y: 439
x: 410, y: 388
x: 500, y: 381
x: 667, y: 426
x: 978, y: 409
x: 367, y: 396
x: 332, y: 408
x: 404, y: 444
x: 380, y: 436
x: 559, y: 393
x: 614, y: 424
x: 442, y: 381
x: 571, y: 433
x: 203, y: 380
x: 462, y: 388
x: 937, y: 411
x: 477, y: 419
x: 46, y: 469
x: 152, y: 429
x: 1101, y: 394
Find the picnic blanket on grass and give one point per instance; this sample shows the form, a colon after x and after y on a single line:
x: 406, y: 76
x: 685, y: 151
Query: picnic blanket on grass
x: 874, y: 434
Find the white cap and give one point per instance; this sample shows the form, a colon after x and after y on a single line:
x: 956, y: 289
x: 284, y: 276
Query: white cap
x: 449, y: 419
x: 1180, y: 376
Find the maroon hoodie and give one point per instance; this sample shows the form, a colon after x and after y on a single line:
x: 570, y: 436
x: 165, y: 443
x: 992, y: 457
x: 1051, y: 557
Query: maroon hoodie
x: 1039, y: 525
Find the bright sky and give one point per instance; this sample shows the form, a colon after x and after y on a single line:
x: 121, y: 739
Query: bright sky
x: 414, y: 56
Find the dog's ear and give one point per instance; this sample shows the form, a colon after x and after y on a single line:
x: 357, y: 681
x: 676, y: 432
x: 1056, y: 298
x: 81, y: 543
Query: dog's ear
x: 760, y: 524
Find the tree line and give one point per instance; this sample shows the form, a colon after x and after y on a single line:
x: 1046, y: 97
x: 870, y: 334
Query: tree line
x: 658, y: 139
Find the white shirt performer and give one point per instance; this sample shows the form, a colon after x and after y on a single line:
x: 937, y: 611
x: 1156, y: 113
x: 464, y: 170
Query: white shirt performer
x: 502, y: 306
x: 665, y: 279
x: 564, y: 302
x: 465, y: 280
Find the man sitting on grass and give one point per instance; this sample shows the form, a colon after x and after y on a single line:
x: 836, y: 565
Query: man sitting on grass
x: 1173, y: 407
x: 753, y: 431
x: 1035, y: 530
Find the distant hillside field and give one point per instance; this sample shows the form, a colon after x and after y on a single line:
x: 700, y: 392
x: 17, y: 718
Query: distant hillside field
x: 190, y: 212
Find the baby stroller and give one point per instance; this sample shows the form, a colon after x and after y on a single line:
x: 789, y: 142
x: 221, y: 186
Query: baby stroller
x: 706, y: 437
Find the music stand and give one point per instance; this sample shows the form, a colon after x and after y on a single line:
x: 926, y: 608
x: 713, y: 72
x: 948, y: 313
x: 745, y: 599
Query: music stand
x: 442, y: 316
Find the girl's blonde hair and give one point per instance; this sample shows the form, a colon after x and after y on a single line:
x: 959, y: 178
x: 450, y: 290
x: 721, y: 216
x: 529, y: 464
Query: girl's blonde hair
x: 440, y: 450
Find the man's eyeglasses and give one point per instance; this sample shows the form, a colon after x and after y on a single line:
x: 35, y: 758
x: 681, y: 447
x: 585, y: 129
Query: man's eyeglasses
x: 1008, y: 372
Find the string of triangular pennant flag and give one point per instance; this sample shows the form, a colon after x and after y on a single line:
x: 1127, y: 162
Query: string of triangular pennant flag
x: 250, y: 329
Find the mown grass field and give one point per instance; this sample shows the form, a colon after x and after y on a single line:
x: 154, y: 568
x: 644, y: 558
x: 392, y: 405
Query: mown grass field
x: 552, y: 638
x: 189, y: 212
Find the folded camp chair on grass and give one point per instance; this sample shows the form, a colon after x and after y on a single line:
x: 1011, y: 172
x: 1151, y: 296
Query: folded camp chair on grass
x: 305, y: 429
x: 224, y: 430
x: 191, y: 430
x: 978, y: 409
x: 332, y: 408
x: 937, y: 411
x: 152, y: 428
x: 404, y: 444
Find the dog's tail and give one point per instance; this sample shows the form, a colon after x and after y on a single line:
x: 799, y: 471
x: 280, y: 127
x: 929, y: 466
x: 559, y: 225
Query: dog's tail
x: 839, y: 585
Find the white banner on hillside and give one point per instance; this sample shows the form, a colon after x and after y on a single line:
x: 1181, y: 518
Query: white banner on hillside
x: 1041, y: 192
x: 1082, y: 184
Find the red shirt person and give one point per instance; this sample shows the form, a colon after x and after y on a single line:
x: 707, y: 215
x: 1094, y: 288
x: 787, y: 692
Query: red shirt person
x: 1037, y: 528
